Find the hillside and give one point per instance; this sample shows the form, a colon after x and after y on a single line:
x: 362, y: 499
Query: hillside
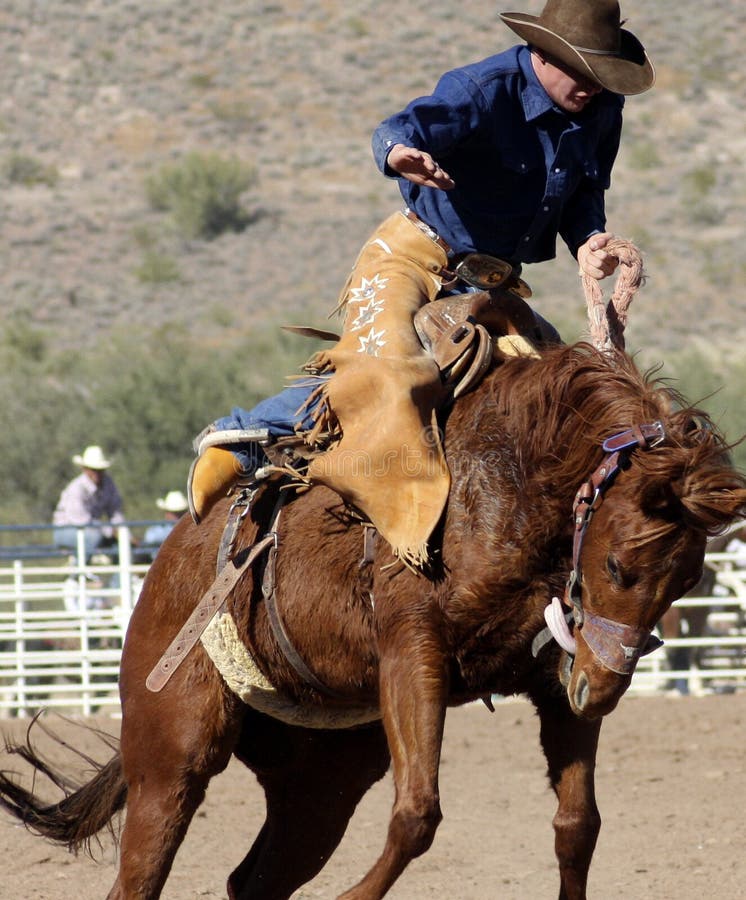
x: 119, y: 331
x: 104, y: 93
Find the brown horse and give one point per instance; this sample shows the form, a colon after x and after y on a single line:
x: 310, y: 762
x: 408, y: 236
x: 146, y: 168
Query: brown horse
x: 380, y: 636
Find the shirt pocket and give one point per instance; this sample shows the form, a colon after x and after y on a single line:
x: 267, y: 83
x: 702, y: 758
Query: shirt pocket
x: 592, y: 171
x: 522, y: 162
x: 518, y: 179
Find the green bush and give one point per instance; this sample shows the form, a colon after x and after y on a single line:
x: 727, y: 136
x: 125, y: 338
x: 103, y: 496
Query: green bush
x: 27, y: 171
x: 202, y: 193
x: 157, y: 268
x: 143, y: 397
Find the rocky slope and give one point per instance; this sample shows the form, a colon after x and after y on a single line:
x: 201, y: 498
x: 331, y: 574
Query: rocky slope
x: 104, y: 93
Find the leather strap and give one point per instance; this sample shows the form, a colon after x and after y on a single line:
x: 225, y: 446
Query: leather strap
x: 236, y: 514
x: 280, y: 632
x: 211, y: 603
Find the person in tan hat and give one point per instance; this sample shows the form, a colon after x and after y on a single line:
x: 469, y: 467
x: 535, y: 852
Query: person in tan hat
x: 89, y: 499
x: 503, y: 157
x: 174, y: 505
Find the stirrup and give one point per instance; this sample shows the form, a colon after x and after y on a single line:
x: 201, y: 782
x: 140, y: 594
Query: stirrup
x: 222, y: 478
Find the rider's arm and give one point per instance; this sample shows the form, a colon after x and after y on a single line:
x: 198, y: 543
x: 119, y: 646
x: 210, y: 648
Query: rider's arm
x: 434, y: 124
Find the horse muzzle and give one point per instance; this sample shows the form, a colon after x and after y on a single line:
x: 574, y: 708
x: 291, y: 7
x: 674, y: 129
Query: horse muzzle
x: 597, y: 679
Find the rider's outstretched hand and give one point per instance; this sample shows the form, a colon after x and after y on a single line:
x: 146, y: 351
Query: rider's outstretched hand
x: 418, y: 166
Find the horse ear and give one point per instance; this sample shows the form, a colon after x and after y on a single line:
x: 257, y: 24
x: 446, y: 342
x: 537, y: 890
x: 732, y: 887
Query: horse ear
x: 660, y: 499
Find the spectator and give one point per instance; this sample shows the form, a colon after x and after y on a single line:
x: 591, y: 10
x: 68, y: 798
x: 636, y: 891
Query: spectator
x: 89, y: 500
x: 174, y: 505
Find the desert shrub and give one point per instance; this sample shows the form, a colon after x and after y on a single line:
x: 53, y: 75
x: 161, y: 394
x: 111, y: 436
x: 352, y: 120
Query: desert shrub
x: 235, y: 114
x: 202, y: 193
x: 18, y: 168
x: 697, y: 192
x: 157, y: 267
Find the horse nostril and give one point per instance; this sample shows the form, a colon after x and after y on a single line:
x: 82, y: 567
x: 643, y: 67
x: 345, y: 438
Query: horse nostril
x: 582, y: 691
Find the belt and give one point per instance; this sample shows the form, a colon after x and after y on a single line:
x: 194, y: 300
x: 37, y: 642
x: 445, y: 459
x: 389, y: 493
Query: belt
x: 426, y: 229
x: 490, y: 270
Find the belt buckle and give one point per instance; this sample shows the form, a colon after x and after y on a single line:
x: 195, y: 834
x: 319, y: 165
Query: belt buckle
x: 483, y: 271
x: 487, y: 273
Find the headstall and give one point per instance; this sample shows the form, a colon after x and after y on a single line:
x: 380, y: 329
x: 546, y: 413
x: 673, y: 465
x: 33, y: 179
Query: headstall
x: 616, y: 645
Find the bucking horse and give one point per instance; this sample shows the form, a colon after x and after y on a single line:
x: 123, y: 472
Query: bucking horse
x: 582, y: 496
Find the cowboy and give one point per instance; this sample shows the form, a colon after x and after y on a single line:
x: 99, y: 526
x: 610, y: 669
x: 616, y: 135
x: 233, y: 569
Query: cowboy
x: 174, y: 505
x: 505, y: 155
x: 87, y: 500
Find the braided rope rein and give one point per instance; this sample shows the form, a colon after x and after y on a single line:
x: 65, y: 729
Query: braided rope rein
x: 608, y: 321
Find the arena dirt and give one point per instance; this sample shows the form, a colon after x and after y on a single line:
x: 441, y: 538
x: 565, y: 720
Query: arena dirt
x: 670, y: 783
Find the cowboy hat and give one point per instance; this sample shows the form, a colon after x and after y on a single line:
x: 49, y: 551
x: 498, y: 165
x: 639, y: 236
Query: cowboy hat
x: 174, y: 502
x: 92, y: 458
x: 587, y: 36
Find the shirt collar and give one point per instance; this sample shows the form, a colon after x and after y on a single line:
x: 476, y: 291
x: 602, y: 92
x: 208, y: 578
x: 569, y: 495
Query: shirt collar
x: 535, y: 99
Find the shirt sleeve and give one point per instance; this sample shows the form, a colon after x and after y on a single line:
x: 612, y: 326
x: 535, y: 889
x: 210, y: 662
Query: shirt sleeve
x: 436, y: 123
x: 585, y: 212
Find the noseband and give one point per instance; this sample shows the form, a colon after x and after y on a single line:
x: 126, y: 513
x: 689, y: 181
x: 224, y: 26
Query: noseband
x: 615, y: 645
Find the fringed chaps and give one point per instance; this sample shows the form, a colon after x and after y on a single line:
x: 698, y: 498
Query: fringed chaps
x: 381, y: 400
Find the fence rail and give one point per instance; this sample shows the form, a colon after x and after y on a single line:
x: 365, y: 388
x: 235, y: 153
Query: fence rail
x: 62, y: 627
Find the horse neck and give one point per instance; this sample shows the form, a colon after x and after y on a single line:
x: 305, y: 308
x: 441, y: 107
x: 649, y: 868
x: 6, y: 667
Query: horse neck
x: 551, y: 415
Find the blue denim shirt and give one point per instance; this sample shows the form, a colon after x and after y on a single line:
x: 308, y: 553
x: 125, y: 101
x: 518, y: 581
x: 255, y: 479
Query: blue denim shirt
x: 525, y: 170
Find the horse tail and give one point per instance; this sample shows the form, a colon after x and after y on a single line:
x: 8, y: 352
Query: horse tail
x: 85, y: 810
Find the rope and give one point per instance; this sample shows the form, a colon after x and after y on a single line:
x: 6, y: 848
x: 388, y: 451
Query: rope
x: 608, y: 321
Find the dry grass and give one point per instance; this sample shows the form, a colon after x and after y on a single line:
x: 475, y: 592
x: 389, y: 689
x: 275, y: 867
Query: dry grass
x: 107, y: 93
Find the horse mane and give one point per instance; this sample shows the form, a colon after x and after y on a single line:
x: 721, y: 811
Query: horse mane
x: 558, y: 410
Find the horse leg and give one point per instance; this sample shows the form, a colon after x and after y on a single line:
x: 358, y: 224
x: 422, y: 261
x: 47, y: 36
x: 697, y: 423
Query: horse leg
x: 413, y: 691
x: 569, y: 745
x: 313, y: 780
x: 172, y: 744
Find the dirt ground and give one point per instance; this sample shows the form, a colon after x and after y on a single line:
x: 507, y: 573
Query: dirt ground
x: 671, y: 784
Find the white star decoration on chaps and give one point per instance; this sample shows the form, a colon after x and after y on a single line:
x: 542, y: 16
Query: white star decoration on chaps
x: 368, y: 289
x: 366, y: 315
x: 371, y: 342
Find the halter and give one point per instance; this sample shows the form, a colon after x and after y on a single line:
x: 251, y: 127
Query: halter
x: 616, y: 646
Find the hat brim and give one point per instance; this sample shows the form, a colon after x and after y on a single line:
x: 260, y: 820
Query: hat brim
x: 98, y: 467
x: 628, y: 72
x: 168, y: 507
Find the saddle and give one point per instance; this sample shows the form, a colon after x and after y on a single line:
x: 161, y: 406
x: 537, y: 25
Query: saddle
x: 466, y: 332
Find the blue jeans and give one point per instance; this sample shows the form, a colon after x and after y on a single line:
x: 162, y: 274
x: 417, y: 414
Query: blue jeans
x: 281, y: 415
x: 68, y: 538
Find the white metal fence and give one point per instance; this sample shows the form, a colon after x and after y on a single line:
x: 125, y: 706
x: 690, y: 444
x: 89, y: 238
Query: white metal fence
x: 63, y: 621
x: 716, y: 657
x: 62, y: 626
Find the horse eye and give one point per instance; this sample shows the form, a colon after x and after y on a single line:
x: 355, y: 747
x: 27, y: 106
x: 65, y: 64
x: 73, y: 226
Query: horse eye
x: 614, y: 569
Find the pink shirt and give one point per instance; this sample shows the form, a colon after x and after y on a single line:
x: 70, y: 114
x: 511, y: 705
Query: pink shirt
x: 83, y: 502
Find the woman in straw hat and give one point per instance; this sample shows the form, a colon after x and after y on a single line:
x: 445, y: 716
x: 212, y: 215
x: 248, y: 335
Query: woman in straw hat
x: 89, y: 499
x: 503, y: 157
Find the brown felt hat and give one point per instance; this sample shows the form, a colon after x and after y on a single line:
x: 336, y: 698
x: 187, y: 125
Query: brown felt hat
x: 587, y: 36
